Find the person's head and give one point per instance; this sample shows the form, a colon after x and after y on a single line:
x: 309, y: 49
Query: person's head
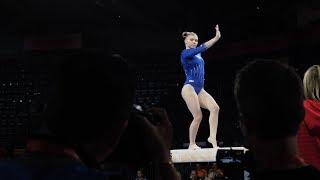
x: 211, y: 170
x: 193, y: 173
x: 139, y: 174
x: 311, y: 83
x: 198, y: 166
x: 190, y: 39
x: 269, y: 97
x: 214, y: 166
x: 91, y: 102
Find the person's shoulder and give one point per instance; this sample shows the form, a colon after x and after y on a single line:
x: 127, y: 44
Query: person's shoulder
x: 311, y: 102
x: 183, y: 51
x: 48, y: 169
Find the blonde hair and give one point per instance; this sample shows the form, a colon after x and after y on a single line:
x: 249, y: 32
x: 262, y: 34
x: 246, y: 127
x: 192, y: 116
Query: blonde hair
x: 186, y: 34
x: 311, y: 83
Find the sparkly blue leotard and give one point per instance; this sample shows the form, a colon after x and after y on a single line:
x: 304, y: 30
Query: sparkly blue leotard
x: 193, y: 66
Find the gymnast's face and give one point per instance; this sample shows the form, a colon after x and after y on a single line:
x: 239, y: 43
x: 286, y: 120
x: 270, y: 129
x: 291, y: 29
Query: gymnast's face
x: 191, y: 41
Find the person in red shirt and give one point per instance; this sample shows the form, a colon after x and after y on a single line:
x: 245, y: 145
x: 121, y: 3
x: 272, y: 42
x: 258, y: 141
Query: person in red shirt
x: 309, y: 132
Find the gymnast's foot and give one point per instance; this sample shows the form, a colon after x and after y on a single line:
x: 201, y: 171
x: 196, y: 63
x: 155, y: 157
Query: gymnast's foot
x: 213, y: 141
x: 193, y: 147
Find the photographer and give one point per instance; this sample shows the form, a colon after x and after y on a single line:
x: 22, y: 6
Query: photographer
x: 86, y: 115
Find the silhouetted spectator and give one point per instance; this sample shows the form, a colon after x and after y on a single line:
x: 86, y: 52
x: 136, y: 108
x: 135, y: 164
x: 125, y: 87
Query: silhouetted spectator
x: 86, y: 115
x: 270, y: 101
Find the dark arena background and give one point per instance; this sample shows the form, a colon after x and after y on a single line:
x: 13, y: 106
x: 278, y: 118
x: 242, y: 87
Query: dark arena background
x: 34, y: 34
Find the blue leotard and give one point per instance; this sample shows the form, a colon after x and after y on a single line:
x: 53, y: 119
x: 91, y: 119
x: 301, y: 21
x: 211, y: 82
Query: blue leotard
x: 193, y: 66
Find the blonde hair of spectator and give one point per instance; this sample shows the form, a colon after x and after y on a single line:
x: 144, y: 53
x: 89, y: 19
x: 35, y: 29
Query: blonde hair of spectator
x: 311, y: 83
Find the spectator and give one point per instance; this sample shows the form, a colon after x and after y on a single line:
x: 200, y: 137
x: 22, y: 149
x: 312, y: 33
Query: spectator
x: 193, y: 175
x: 201, y: 172
x: 270, y: 101
x: 215, y: 172
x: 309, y: 132
x: 85, y: 117
x: 140, y: 175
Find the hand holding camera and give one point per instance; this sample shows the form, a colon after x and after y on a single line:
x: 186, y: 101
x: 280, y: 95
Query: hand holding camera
x: 158, y: 134
x: 147, y: 138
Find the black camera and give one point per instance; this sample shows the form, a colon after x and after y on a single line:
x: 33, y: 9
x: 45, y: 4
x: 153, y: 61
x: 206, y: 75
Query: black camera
x: 231, y: 161
x: 139, y: 110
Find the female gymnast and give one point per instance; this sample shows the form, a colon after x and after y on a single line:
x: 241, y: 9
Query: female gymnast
x: 193, y: 91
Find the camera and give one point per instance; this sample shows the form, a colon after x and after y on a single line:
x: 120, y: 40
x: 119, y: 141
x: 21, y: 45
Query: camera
x: 139, y: 110
x: 231, y: 161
